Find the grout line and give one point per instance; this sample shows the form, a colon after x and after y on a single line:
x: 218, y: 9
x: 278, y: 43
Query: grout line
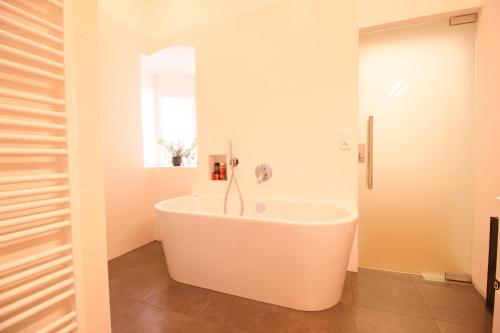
x: 461, y: 324
x: 423, y: 300
x: 426, y: 318
x: 427, y: 307
x: 389, y: 271
x: 420, y: 317
x: 398, y: 313
x: 393, y: 312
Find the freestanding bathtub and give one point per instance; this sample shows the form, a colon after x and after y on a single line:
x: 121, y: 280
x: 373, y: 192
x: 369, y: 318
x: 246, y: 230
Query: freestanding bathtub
x: 288, y: 253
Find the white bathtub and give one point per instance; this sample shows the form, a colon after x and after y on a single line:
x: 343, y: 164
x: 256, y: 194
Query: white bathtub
x: 293, y: 254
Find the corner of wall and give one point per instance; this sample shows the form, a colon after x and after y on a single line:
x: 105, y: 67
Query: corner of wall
x: 85, y: 159
x: 487, y: 141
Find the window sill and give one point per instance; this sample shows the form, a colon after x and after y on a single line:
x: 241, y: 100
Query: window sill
x: 170, y: 167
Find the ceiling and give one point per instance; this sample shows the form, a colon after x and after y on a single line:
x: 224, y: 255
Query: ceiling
x: 177, y: 60
x: 154, y: 18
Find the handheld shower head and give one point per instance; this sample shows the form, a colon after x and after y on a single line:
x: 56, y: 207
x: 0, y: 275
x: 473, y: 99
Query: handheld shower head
x: 233, y: 161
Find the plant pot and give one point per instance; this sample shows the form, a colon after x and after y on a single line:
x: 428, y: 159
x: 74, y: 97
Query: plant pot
x: 176, y: 160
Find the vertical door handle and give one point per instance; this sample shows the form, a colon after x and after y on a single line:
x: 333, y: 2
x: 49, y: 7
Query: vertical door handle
x: 369, y: 164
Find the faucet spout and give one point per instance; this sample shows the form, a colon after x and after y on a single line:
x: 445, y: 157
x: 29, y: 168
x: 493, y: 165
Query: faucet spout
x: 260, y: 177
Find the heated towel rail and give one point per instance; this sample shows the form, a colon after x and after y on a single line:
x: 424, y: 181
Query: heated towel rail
x: 37, y: 282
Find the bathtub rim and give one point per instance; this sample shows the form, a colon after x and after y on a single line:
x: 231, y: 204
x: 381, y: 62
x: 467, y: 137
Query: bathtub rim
x: 350, y: 207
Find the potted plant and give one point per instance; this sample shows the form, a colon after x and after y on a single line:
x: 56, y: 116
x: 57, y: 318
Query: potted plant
x: 178, y: 150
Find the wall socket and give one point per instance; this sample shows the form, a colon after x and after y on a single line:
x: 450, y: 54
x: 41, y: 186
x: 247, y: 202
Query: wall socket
x: 345, y: 144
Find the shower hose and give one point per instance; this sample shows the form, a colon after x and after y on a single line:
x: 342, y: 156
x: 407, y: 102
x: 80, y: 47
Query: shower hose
x: 233, y: 161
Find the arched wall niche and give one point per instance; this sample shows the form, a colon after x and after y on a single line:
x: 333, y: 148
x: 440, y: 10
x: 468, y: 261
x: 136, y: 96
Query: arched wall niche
x: 168, y: 106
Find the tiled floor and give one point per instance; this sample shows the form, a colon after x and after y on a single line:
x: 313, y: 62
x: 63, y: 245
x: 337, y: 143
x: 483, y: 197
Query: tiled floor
x: 144, y: 299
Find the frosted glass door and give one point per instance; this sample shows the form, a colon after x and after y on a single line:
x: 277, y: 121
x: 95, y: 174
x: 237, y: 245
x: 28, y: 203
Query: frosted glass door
x: 418, y: 83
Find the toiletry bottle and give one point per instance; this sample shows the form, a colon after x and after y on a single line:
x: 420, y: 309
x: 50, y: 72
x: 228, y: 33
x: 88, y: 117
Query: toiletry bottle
x: 222, y: 171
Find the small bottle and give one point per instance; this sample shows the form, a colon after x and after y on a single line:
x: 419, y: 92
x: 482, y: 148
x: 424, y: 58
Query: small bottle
x: 216, y: 167
x: 222, y: 171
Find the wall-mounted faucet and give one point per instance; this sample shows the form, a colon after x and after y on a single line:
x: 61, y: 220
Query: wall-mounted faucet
x: 263, y: 172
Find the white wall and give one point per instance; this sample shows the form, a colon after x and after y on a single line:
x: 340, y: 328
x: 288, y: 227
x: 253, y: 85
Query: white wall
x: 157, y: 17
x: 128, y: 186
x: 278, y: 73
x: 200, y: 21
x: 130, y: 189
x: 88, y: 183
x: 89, y: 165
x: 378, y: 12
x: 488, y: 137
x: 280, y: 82
x: 132, y: 13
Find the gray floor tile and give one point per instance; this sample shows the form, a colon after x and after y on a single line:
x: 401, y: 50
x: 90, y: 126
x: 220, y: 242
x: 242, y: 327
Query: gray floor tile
x: 455, y: 303
x: 368, y: 320
x: 456, y: 328
x: 240, y: 314
x: 145, y: 299
x: 394, y: 295
x: 151, y: 319
x: 137, y: 287
x: 181, y: 298
x: 122, y: 307
x: 336, y: 319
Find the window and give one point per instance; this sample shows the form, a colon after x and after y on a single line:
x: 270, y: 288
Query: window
x: 176, y: 126
x: 169, y: 107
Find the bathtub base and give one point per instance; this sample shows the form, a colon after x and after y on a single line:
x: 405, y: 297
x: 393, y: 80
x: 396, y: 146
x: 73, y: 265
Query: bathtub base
x: 298, y: 267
